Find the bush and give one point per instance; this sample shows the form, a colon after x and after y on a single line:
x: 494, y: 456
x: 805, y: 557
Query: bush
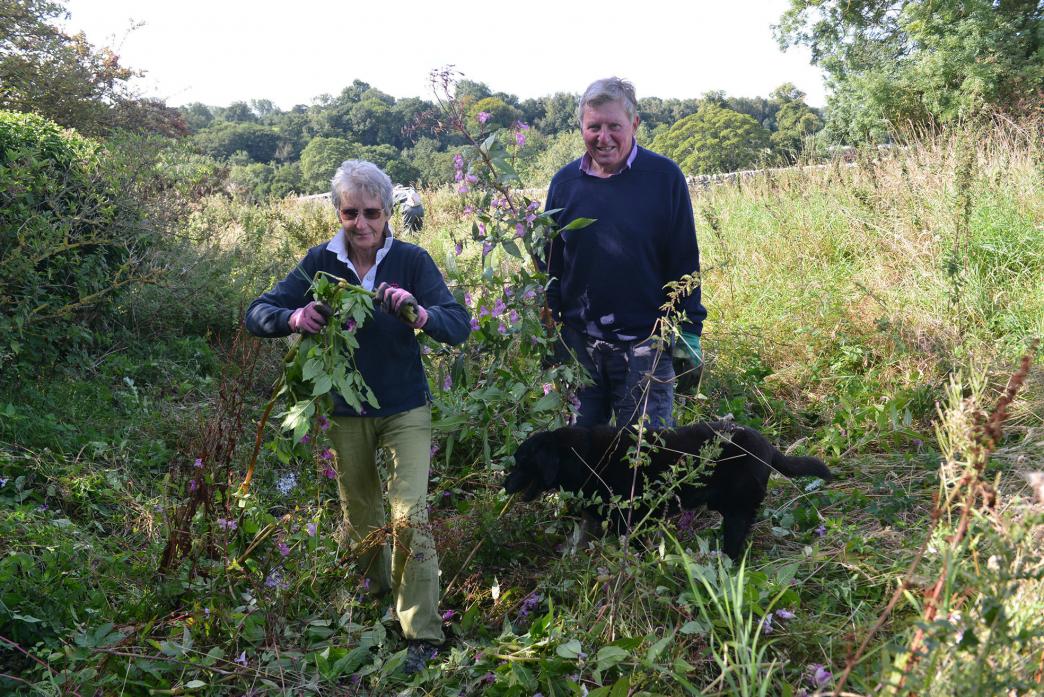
x: 70, y: 237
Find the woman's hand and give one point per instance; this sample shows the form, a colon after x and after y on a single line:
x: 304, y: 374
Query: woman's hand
x: 310, y: 319
x: 395, y: 301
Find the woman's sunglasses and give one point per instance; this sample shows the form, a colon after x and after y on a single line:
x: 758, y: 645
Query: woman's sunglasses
x: 368, y: 213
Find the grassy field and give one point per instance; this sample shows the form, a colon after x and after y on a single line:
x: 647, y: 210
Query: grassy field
x: 873, y: 314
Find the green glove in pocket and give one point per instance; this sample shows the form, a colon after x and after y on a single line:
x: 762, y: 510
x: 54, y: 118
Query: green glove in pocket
x: 688, y: 361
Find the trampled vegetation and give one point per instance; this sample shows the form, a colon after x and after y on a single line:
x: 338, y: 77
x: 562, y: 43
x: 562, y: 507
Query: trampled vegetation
x: 870, y: 313
x: 880, y: 311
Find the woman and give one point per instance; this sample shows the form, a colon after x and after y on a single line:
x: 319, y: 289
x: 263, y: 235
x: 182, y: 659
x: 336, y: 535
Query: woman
x: 365, y: 253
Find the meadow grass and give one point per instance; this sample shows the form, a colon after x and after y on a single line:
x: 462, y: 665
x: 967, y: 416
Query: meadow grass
x: 869, y: 314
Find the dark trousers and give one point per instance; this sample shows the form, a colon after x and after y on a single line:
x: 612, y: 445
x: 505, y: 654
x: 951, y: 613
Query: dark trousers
x: 632, y: 381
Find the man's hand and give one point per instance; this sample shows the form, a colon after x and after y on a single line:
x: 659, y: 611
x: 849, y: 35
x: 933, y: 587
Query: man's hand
x: 310, y: 319
x: 687, y: 358
x: 401, y: 303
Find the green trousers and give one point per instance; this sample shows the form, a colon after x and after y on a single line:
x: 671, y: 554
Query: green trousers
x: 399, y: 557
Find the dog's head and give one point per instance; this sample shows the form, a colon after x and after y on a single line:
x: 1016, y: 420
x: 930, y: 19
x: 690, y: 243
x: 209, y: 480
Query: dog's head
x: 536, y: 466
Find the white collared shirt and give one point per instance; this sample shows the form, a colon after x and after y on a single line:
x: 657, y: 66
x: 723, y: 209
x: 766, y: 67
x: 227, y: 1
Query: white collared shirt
x: 339, y: 246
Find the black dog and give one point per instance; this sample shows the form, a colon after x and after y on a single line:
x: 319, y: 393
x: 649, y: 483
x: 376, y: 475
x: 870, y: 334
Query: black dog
x: 594, y: 461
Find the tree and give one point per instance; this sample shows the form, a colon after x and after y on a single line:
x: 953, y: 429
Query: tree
x: 224, y: 138
x: 236, y: 112
x: 714, y: 139
x: 795, y: 121
x: 197, y: 115
x: 559, y: 113
x: 321, y: 158
x: 913, y: 62
x: 63, y: 78
x: 501, y: 114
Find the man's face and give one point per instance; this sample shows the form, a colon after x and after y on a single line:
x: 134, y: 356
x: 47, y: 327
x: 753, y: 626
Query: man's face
x: 608, y: 136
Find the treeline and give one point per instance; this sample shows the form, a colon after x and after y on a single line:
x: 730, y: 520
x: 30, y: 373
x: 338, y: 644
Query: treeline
x: 274, y: 152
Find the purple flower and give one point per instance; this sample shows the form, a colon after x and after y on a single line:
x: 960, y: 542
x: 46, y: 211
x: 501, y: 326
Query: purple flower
x: 484, y: 311
x: 482, y: 230
x: 547, y: 387
x: 448, y: 615
x: 529, y: 294
x: 474, y: 324
x: 467, y: 298
x: 766, y: 624
x: 487, y: 247
x: 329, y: 472
x: 242, y: 659
x: 522, y: 125
x: 821, y: 530
x: 3, y: 482
x: 193, y: 486
x: 819, y: 675
x: 469, y: 210
x: 514, y: 317
x: 324, y: 423
x: 326, y: 454
x: 458, y: 176
x: 489, y: 678
x: 434, y: 450
x: 458, y: 161
x: 528, y: 605
x: 447, y: 383
x: 284, y: 549
x: 520, y: 139
x: 275, y: 580
x: 311, y: 528
x: 227, y: 524
x: 785, y: 614
x: 471, y: 178
x: 499, y: 307
x: 198, y: 464
x: 350, y: 326
x: 533, y: 205
x: 508, y: 292
x: 463, y: 188
x: 501, y: 328
x: 529, y: 219
x: 482, y: 116
x: 458, y: 248
x: 520, y: 230
x: 306, y: 439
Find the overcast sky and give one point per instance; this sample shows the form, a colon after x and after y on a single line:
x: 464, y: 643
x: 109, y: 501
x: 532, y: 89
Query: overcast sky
x: 221, y: 51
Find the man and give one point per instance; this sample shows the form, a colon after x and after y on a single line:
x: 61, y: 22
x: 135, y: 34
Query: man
x: 607, y: 279
x: 408, y: 201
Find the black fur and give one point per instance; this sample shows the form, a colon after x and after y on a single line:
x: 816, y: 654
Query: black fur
x: 594, y: 461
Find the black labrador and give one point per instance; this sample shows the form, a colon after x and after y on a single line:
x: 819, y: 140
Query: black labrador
x: 735, y: 462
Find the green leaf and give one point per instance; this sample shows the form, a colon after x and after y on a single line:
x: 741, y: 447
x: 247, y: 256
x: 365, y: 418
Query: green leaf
x: 609, y: 656
x: 578, y: 224
x: 194, y: 684
x: 322, y: 385
x: 571, y: 649
x: 511, y: 248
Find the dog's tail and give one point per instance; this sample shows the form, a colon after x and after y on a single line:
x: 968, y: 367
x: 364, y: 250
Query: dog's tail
x: 800, y: 466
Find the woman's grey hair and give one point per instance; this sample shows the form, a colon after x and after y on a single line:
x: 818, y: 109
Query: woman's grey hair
x: 360, y: 176
x: 610, y: 89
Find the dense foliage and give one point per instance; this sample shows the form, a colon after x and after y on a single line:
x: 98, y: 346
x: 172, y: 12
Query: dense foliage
x: 920, y: 63
x: 871, y: 312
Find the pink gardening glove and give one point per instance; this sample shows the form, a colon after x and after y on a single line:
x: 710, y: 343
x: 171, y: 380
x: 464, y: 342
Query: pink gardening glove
x: 310, y: 319
x: 395, y: 300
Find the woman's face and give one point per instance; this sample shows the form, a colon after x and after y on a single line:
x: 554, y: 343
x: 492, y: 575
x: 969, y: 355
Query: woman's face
x: 363, y: 220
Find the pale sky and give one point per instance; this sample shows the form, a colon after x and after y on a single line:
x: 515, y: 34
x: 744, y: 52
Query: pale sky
x: 221, y: 51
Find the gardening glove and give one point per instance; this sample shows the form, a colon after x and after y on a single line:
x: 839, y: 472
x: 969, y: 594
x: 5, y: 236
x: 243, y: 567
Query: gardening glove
x: 687, y: 357
x: 398, y: 301
x: 310, y: 319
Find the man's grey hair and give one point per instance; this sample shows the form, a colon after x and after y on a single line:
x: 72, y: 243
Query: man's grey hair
x: 360, y: 176
x: 610, y: 89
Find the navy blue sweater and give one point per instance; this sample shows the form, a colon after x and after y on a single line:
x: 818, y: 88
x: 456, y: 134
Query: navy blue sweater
x: 388, y: 356
x: 607, y: 279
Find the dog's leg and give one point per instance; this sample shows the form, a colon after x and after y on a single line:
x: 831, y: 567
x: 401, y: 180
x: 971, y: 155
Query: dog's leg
x: 735, y: 527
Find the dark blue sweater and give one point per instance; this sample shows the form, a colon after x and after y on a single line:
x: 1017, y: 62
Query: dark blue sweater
x: 388, y: 356
x: 608, y: 278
